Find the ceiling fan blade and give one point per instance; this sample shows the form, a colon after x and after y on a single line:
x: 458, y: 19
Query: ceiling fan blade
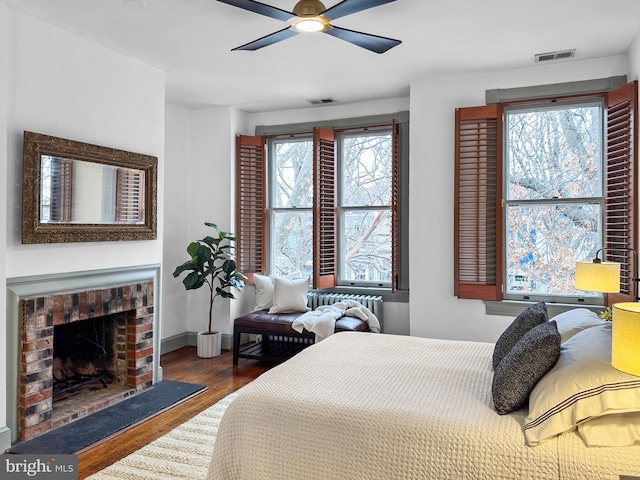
x: 347, y: 7
x: 261, y: 8
x: 269, y: 39
x: 374, y: 43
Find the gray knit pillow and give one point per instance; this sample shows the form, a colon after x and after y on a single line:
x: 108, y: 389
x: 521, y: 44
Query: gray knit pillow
x: 531, y: 317
x: 521, y: 369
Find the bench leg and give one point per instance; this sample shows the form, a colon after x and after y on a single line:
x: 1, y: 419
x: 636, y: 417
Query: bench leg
x: 236, y: 346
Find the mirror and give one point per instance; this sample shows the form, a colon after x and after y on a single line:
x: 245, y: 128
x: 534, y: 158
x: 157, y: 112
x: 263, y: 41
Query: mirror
x: 78, y: 192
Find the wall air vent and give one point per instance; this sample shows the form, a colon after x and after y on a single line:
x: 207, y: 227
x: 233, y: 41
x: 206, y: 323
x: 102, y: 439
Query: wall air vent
x: 546, y: 57
x: 321, y: 101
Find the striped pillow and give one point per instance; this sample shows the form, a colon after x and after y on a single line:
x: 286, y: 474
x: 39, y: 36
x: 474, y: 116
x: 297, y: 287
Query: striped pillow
x: 583, y: 384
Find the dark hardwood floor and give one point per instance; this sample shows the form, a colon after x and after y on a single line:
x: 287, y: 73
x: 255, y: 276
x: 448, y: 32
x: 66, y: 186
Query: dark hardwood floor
x: 218, y: 374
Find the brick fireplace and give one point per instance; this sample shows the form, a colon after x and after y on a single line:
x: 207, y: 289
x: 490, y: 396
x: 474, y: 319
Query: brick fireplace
x: 133, y: 306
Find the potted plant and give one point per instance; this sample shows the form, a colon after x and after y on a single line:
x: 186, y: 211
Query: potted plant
x: 211, y: 264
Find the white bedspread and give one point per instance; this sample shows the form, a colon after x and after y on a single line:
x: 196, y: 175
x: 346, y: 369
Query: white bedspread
x: 322, y: 320
x: 382, y: 407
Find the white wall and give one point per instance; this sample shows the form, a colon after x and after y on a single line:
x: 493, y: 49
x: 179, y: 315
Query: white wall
x: 634, y: 58
x: 176, y: 217
x: 55, y: 83
x: 5, y: 436
x: 200, y: 188
x: 322, y: 113
x: 434, y: 311
x: 64, y: 86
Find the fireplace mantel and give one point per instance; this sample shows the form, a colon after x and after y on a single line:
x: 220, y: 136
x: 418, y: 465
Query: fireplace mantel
x: 19, y: 289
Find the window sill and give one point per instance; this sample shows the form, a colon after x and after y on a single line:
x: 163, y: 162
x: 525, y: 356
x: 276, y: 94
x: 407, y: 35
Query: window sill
x: 512, y: 308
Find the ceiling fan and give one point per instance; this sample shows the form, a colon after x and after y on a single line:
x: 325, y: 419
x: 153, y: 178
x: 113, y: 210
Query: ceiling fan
x: 312, y: 16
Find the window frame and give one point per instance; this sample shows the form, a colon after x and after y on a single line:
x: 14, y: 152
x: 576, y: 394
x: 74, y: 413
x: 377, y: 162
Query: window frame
x: 475, y: 141
x: 551, y: 104
x: 271, y: 209
x: 341, y: 208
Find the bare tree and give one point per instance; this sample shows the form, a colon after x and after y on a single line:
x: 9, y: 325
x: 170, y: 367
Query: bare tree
x: 554, y: 189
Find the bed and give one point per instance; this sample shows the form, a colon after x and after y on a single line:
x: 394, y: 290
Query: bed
x: 376, y: 406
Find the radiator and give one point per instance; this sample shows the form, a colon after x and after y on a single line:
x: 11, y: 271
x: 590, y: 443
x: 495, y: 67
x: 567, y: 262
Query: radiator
x: 372, y: 302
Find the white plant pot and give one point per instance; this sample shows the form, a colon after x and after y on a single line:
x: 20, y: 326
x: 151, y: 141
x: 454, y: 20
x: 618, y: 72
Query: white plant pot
x: 209, y: 344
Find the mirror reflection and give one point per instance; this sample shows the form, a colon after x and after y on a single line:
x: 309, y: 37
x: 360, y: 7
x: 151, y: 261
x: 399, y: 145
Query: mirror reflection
x: 81, y: 192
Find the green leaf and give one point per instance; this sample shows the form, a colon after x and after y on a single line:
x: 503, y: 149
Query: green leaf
x: 224, y: 293
x: 185, y: 266
x: 228, y: 266
x: 193, y: 248
x: 211, y: 241
x: 193, y: 281
x: 237, y: 284
x: 203, y: 254
x: 227, y: 236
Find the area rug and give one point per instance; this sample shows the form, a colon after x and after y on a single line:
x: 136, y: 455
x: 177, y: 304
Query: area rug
x: 184, y: 452
x: 88, y: 430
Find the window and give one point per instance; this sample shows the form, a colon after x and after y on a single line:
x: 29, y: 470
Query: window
x: 290, y: 215
x: 57, y: 179
x: 365, y: 193
x: 129, y: 196
x: 322, y: 203
x: 553, y: 196
x: 562, y: 198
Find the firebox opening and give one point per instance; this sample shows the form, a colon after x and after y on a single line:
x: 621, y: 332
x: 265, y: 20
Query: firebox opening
x: 85, y: 355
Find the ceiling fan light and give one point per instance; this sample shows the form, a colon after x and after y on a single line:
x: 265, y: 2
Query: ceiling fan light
x: 312, y: 24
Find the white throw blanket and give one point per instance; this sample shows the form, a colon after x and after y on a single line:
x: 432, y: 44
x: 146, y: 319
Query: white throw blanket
x: 322, y: 320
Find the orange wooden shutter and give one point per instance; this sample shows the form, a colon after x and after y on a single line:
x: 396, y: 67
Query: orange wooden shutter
x: 478, y: 203
x: 324, y: 208
x: 251, y: 205
x: 621, y: 184
x: 395, y: 195
x: 129, y: 196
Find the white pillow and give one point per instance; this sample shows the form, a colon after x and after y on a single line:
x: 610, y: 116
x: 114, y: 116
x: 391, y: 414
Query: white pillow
x: 574, y: 321
x: 617, y: 430
x: 289, y: 295
x: 264, y: 292
x: 583, y: 384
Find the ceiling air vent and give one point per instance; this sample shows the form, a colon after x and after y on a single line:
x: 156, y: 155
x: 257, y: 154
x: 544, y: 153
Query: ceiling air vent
x: 321, y: 101
x: 545, y: 57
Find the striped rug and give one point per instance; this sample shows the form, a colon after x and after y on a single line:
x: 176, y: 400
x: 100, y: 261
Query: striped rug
x: 184, y: 452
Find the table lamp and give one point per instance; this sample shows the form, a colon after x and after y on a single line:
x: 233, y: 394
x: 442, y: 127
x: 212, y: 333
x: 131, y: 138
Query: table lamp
x: 625, y: 342
x: 599, y: 276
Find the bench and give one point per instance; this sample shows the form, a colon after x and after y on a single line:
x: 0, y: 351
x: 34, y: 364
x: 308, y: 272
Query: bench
x: 279, y: 340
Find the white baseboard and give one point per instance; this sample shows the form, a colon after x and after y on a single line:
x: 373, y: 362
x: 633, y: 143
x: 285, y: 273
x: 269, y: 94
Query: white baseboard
x: 189, y: 339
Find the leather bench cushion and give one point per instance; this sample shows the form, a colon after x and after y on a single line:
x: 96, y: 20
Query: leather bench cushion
x: 281, y: 323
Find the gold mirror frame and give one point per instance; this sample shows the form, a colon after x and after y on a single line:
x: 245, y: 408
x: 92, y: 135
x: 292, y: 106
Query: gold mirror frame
x: 33, y: 231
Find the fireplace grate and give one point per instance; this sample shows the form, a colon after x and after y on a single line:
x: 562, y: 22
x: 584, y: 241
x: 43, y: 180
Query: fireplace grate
x: 75, y: 381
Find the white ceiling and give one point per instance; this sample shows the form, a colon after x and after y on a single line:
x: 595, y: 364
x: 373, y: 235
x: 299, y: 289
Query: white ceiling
x: 191, y: 40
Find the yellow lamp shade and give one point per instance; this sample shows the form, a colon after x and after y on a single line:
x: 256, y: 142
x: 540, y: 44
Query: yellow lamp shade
x: 625, y: 347
x: 598, y: 277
